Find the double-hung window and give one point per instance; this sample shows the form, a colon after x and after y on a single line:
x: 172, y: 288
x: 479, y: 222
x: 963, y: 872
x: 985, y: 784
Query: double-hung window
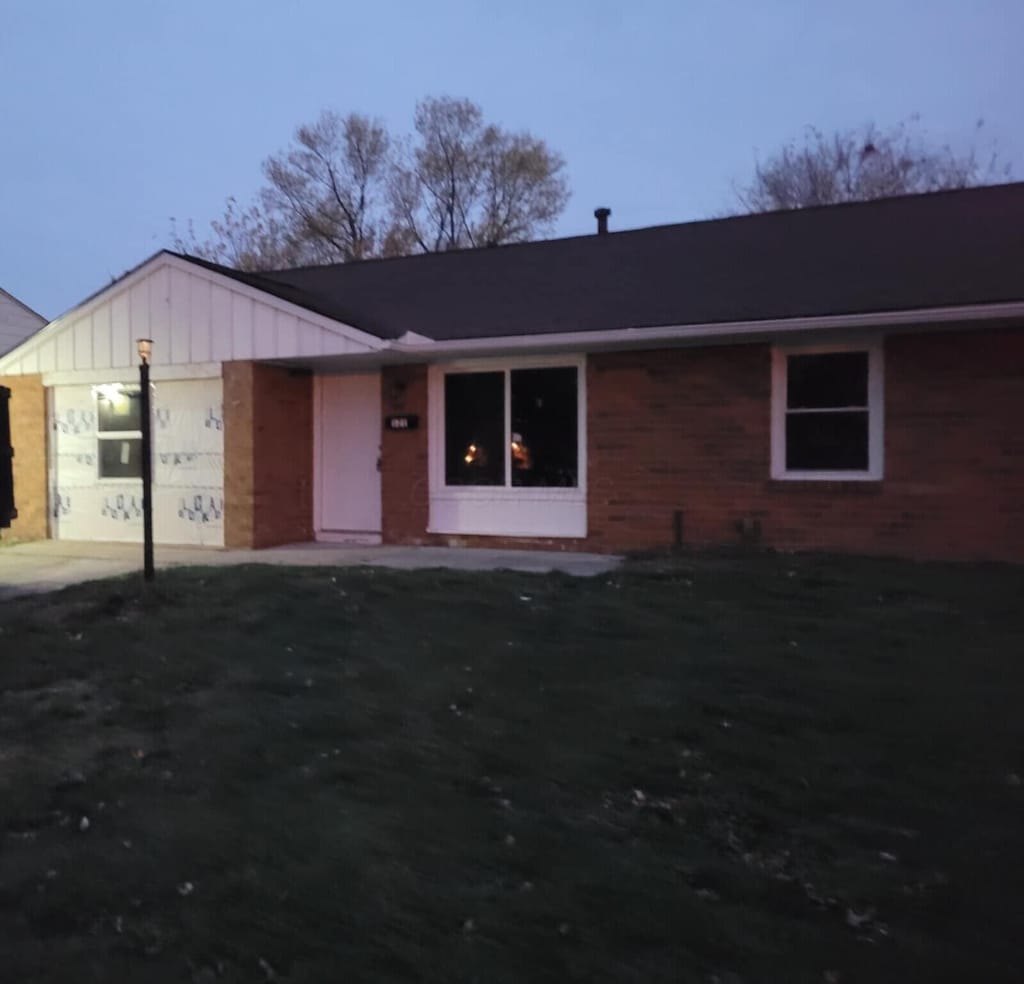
x: 118, y: 431
x: 827, y: 413
x: 507, y: 448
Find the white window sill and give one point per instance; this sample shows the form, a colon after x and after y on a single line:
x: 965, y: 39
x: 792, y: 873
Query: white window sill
x: 827, y: 476
x: 531, y: 533
x: 525, y: 493
x: 510, y: 512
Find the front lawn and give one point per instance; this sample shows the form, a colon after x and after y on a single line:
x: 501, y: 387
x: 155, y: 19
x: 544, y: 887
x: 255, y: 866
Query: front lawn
x: 730, y: 769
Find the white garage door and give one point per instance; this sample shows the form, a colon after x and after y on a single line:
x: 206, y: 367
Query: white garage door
x: 95, y: 455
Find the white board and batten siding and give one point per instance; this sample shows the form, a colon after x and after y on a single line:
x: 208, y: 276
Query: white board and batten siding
x: 198, y: 319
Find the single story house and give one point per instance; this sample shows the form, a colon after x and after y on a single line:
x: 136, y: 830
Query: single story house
x: 846, y: 378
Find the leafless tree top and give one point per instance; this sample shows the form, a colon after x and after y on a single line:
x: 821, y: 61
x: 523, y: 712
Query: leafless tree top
x: 346, y: 189
x: 859, y: 165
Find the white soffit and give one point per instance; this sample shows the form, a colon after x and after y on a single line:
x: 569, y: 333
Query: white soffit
x: 976, y: 316
x: 195, y: 316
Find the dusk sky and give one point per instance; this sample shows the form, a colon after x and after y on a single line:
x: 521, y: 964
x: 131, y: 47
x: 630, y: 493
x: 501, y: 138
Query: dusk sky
x: 117, y: 116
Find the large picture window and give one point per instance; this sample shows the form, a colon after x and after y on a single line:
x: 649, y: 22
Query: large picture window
x: 512, y: 428
x: 827, y: 407
x: 118, y: 431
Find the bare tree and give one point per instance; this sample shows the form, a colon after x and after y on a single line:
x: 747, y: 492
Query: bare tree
x: 464, y: 183
x: 858, y: 165
x: 252, y: 238
x: 329, y: 187
x: 522, y: 190
x: 346, y: 190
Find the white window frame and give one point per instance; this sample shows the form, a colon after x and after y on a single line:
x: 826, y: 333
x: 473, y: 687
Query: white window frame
x: 505, y: 510
x: 875, y: 409
x: 113, y: 436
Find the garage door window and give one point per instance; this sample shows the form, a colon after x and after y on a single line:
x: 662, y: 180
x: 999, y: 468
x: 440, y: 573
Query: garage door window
x: 118, y: 431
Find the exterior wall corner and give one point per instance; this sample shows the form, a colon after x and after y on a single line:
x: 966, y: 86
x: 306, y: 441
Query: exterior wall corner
x: 268, y: 455
x: 30, y: 440
x: 405, y: 495
x: 239, y: 475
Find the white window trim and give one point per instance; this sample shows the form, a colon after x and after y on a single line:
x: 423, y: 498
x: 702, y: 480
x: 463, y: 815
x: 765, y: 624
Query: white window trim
x: 477, y: 497
x: 133, y: 435
x: 876, y: 413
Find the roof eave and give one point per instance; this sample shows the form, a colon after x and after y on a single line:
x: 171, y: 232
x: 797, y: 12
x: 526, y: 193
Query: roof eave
x: 630, y: 337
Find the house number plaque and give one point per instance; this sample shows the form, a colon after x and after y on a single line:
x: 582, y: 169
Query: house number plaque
x: 402, y: 422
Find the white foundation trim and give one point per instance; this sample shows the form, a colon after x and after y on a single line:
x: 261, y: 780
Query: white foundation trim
x: 357, y: 539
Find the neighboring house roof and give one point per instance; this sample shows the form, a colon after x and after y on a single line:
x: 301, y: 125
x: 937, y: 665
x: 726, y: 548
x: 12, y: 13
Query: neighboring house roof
x: 944, y: 249
x: 17, y: 321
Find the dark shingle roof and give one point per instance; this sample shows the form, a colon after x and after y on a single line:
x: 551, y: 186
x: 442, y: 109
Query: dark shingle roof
x: 942, y: 249
x: 311, y: 300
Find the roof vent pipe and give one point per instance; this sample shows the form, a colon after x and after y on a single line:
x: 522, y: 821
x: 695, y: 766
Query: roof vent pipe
x: 601, y: 214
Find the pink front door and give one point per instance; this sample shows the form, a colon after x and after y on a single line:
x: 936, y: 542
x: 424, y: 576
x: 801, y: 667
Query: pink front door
x: 348, y: 474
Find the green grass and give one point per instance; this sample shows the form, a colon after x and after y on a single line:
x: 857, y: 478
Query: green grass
x: 752, y: 768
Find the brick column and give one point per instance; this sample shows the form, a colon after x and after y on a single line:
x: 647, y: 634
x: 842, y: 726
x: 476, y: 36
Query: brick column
x: 239, y: 472
x: 268, y: 455
x: 283, y: 456
x: 29, y: 437
x: 404, y: 489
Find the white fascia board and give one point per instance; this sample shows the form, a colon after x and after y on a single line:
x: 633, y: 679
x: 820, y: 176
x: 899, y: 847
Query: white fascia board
x: 414, y: 338
x: 157, y: 373
x: 630, y: 337
x: 16, y: 354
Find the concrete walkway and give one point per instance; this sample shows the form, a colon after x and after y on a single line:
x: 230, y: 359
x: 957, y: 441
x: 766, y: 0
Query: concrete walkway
x: 46, y: 565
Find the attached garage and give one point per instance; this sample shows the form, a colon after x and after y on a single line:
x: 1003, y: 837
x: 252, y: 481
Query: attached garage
x: 220, y: 383
x: 96, y: 467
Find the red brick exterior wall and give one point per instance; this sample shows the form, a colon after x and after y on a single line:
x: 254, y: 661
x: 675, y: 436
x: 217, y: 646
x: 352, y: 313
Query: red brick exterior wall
x: 404, y: 498
x: 677, y: 429
x: 283, y: 456
x: 29, y: 437
x: 689, y: 429
x: 268, y: 455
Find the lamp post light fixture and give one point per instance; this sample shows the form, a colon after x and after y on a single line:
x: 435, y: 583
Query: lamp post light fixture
x: 145, y: 346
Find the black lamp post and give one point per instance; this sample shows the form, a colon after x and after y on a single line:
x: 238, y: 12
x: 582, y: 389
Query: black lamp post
x: 145, y: 351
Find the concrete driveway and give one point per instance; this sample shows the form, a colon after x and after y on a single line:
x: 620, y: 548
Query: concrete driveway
x: 46, y: 565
